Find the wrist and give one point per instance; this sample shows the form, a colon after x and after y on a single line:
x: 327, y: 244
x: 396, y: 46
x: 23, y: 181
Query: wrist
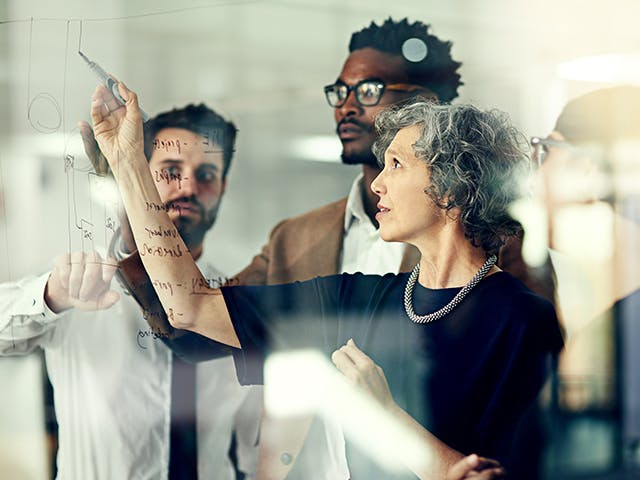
x: 128, y: 162
x: 54, y: 300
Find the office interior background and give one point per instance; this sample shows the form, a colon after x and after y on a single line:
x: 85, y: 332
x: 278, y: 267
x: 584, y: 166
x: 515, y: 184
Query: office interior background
x: 263, y: 64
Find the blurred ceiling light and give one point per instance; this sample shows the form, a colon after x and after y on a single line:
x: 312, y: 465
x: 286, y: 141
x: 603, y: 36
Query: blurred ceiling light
x: 610, y: 68
x: 304, y: 381
x: 36, y: 144
x: 321, y: 148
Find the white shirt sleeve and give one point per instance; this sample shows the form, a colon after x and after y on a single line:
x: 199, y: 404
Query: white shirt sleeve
x: 25, y: 319
x: 247, y: 429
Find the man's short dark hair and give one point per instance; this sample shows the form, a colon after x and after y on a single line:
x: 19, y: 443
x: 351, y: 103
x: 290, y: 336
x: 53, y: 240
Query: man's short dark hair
x: 198, y: 119
x: 436, y: 72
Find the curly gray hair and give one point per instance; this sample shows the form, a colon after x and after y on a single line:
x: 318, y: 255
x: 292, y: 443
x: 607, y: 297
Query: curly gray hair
x: 476, y: 161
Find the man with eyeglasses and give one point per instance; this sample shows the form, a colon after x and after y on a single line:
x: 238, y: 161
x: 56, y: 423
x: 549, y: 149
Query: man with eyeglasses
x: 387, y: 64
x: 375, y: 75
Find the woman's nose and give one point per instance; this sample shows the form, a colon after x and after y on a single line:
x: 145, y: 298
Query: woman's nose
x: 377, y: 186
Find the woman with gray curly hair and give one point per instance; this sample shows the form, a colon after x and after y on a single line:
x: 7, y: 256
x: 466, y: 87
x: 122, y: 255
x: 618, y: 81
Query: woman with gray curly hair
x: 465, y: 346
x: 475, y: 161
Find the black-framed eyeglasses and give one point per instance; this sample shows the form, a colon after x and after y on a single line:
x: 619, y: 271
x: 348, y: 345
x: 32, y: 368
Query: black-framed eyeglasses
x: 367, y: 92
x: 541, y: 148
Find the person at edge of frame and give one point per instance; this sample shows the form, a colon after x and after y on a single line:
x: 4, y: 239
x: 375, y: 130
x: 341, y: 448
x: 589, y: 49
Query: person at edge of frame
x: 101, y: 353
x: 587, y: 169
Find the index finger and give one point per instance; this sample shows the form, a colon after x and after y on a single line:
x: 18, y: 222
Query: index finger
x: 342, y: 361
x: 131, y: 98
x: 462, y: 467
x: 109, y: 267
x: 356, y: 355
x: 490, y: 474
x: 485, y: 463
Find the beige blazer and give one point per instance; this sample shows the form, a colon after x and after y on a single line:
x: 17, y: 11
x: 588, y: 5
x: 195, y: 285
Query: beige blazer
x: 304, y: 247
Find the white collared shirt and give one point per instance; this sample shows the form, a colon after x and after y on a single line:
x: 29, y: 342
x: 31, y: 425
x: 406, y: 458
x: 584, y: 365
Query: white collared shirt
x: 362, y: 249
x: 112, y: 387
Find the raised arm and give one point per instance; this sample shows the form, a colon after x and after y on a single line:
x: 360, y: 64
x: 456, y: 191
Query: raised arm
x: 189, y: 302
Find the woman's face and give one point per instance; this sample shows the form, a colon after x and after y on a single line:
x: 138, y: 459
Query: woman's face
x: 405, y: 211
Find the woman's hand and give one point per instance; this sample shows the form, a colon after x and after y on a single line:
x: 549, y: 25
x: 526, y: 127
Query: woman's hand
x: 361, y: 370
x: 117, y: 128
x: 476, y: 468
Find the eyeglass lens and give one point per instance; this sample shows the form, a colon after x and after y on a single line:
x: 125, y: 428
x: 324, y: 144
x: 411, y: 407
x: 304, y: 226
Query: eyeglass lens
x: 367, y: 93
x: 541, y: 148
x: 538, y: 154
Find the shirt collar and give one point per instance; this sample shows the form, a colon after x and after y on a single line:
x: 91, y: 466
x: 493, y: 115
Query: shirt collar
x: 355, y: 208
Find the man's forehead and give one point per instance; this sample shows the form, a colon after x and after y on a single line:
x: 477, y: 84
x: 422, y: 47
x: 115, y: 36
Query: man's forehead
x: 368, y: 63
x: 180, y: 141
x: 189, y: 137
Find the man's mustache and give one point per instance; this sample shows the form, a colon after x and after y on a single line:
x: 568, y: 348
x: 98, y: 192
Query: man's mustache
x: 175, y: 204
x: 355, y: 122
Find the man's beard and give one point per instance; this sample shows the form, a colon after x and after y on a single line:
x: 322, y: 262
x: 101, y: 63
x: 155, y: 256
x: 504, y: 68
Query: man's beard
x: 364, y: 157
x: 360, y: 158
x: 193, y: 232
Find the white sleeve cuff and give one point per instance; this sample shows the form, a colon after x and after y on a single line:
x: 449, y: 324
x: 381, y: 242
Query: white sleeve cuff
x: 34, y: 303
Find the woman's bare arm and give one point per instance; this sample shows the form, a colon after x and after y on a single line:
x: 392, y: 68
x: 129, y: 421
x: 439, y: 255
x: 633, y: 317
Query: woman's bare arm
x: 190, y: 304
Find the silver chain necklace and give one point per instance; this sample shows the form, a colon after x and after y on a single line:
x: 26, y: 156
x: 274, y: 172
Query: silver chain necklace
x: 408, y: 293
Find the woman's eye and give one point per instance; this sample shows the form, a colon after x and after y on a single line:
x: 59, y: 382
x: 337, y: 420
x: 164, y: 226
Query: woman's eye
x: 395, y: 164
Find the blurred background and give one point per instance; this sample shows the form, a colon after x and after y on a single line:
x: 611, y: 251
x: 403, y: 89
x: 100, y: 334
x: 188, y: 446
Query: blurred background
x: 263, y: 64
